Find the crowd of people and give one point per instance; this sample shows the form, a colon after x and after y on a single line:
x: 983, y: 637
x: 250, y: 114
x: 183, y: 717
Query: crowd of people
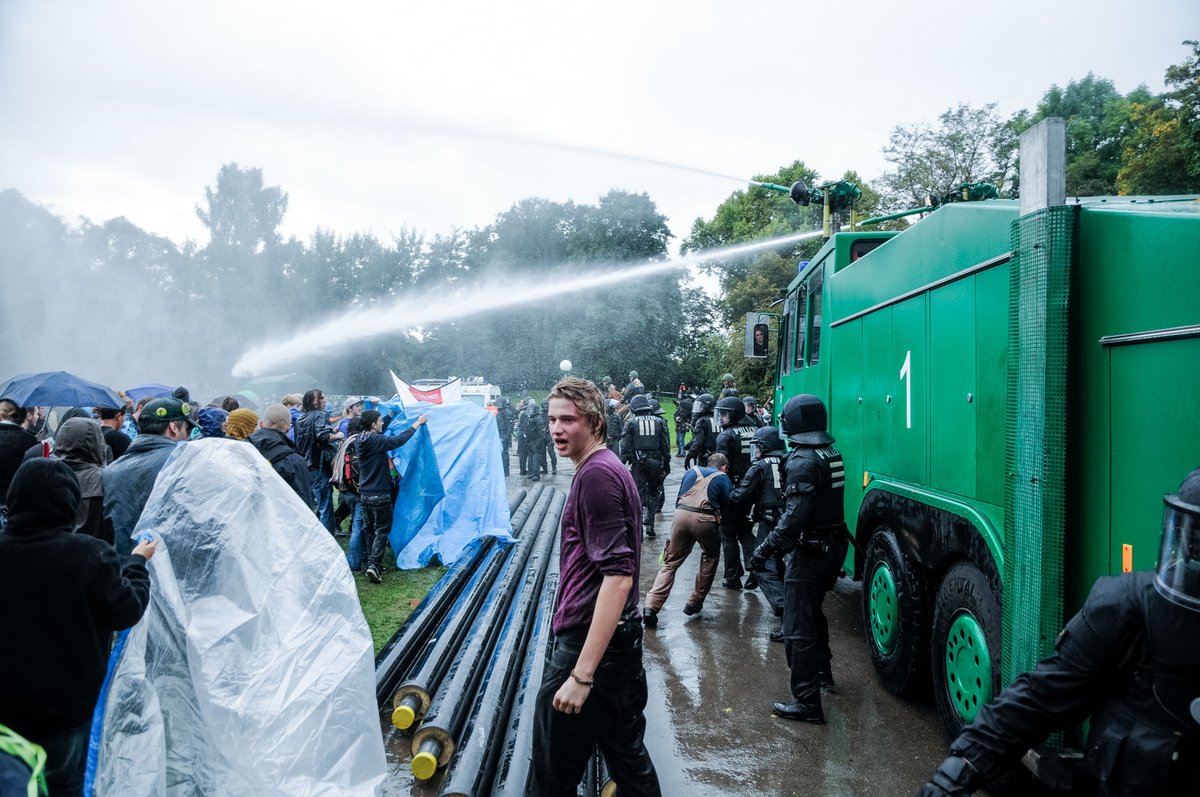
x: 73, y: 484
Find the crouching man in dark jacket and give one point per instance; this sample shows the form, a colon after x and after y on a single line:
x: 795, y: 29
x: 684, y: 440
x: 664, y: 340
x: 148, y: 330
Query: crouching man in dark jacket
x: 272, y: 442
x: 64, y: 595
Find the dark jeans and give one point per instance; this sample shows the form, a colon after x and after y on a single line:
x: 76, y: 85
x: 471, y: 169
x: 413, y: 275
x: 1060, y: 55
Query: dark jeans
x: 377, y: 524
x: 737, y: 543
x: 66, y: 759
x: 612, y: 717
x: 811, y: 572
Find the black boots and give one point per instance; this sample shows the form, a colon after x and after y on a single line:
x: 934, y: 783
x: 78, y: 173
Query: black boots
x: 800, y: 712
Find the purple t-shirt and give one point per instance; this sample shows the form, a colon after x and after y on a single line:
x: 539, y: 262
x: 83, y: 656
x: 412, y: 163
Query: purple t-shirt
x: 601, y: 536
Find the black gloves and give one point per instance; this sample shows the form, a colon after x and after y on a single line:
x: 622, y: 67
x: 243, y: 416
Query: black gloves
x: 759, y: 558
x: 954, y: 778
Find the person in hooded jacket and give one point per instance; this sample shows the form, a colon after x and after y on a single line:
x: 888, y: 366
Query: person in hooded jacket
x: 80, y: 444
x: 64, y: 595
x: 272, y: 442
x: 128, y: 481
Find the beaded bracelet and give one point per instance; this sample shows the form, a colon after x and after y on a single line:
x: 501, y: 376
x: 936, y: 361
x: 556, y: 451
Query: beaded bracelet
x: 582, y: 682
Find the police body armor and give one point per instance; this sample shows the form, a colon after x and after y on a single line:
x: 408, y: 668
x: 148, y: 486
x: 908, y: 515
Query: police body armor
x: 704, y: 440
x: 770, y: 491
x: 646, y: 430
x: 734, y: 443
x: 826, y: 521
x: 1146, y: 739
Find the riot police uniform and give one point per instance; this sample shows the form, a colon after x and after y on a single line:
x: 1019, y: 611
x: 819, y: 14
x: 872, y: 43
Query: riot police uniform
x: 646, y: 448
x: 751, y: 405
x: 737, y: 529
x: 704, y: 435
x: 615, y: 427
x: 812, y: 534
x: 504, y: 426
x: 762, y: 486
x: 530, y: 446
x: 1130, y: 659
x: 548, y: 455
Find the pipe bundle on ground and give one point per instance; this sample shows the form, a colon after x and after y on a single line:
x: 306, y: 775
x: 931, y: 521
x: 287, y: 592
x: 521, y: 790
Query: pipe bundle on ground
x: 471, y: 659
x: 397, y: 656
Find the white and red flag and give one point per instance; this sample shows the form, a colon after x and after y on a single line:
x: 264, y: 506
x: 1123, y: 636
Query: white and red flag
x: 442, y: 394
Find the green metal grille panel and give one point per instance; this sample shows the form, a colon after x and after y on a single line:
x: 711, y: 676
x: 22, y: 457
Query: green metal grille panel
x: 1036, y: 437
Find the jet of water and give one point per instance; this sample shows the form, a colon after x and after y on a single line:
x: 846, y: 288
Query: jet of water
x: 413, y: 312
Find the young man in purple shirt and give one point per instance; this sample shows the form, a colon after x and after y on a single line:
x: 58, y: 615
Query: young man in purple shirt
x: 594, y: 687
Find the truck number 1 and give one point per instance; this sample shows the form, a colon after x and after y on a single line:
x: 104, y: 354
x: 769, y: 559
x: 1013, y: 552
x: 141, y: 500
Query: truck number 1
x: 906, y: 376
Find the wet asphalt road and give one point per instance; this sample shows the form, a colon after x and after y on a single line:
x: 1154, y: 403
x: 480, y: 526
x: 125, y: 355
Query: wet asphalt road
x: 713, y: 677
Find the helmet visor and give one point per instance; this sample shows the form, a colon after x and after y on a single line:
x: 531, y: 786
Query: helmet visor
x: 697, y: 408
x: 1178, y: 576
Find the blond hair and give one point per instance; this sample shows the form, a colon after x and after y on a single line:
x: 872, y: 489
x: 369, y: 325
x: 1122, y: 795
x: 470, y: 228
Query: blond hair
x: 587, y: 400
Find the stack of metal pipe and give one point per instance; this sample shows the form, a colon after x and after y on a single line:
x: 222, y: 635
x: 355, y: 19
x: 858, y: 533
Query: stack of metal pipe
x: 462, y: 674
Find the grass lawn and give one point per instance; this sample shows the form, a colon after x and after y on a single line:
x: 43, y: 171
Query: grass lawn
x: 387, y: 605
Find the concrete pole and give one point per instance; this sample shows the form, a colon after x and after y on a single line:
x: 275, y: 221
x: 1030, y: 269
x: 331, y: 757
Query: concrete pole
x: 1044, y: 165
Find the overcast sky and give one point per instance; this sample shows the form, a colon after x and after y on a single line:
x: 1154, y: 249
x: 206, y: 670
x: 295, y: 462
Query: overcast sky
x: 434, y: 115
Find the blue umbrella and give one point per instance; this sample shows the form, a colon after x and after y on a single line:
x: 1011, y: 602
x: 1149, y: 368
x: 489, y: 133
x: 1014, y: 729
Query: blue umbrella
x: 58, y: 389
x: 150, y: 389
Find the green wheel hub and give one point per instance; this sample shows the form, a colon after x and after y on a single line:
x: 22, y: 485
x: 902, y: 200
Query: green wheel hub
x: 885, y: 609
x: 968, y: 666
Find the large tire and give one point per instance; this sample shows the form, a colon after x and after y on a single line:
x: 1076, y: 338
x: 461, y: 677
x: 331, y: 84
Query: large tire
x: 965, y: 647
x: 896, y: 615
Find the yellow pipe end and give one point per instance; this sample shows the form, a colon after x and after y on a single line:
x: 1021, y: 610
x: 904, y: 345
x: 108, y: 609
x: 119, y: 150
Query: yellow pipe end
x: 424, y: 765
x: 403, y: 717
x: 866, y: 478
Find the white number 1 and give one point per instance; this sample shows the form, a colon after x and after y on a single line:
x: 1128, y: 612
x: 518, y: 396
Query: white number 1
x: 906, y: 375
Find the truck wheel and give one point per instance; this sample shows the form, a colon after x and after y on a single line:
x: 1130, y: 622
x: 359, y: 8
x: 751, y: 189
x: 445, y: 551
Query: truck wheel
x: 895, y: 615
x: 965, y: 649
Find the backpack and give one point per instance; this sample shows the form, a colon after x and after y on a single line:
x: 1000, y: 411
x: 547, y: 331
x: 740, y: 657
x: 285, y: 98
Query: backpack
x: 345, y: 466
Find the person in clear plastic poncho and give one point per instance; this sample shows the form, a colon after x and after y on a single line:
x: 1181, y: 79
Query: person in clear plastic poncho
x: 252, y: 671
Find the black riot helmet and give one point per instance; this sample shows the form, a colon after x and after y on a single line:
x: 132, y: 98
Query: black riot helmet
x: 639, y: 404
x: 656, y: 407
x: 804, y: 420
x: 750, y: 402
x: 1178, y: 574
x: 703, y: 405
x: 765, y: 441
x: 729, y: 411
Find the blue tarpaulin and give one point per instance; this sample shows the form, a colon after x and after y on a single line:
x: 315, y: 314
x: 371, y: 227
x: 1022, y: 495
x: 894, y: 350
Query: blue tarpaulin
x: 452, y: 487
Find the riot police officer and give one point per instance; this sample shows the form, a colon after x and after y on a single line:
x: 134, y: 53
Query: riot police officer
x: 737, y: 530
x: 615, y: 427
x: 646, y: 448
x: 812, y: 534
x: 504, y: 426
x: 728, y: 386
x: 660, y: 500
x: 634, y: 388
x: 751, y: 405
x: 683, y: 420
x: 532, y: 427
x: 762, y: 486
x: 1130, y: 660
x: 704, y: 436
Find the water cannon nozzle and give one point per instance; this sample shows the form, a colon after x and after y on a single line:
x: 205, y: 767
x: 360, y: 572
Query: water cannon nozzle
x: 800, y: 193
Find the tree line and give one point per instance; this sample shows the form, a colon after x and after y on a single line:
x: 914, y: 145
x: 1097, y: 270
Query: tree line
x: 206, y: 304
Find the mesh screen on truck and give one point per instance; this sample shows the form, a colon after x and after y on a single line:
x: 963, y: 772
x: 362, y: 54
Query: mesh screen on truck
x: 1036, y: 436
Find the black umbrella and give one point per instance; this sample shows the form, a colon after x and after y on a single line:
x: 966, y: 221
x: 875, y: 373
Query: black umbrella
x: 58, y: 389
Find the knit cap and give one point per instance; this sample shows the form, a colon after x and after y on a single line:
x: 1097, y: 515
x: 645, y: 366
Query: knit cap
x: 241, y: 424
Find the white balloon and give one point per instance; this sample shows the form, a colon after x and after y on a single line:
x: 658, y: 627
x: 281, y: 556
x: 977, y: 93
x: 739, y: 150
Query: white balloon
x: 565, y: 365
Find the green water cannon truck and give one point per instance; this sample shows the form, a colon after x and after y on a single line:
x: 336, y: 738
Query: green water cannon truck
x: 1013, y: 386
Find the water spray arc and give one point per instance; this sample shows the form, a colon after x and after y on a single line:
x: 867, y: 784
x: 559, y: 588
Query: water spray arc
x: 411, y: 313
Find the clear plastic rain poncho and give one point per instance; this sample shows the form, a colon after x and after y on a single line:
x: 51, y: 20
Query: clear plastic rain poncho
x: 252, y: 671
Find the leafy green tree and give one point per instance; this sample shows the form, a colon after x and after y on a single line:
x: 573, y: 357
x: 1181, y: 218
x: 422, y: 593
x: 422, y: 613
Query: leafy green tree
x: 1098, y: 120
x: 1162, y: 153
x: 968, y: 145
